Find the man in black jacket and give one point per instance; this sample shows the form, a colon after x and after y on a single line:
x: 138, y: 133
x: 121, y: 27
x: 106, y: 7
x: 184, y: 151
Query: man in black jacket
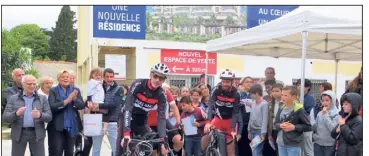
x: 17, y: 75
x: 110, y: 110
x: 349, y: 131
x: 291, y: 121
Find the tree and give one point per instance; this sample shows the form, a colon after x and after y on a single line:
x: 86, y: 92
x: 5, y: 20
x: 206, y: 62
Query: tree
x: 228, y: 21
x: 47, y: 31
x: 62, y: 41
x: 199, y: 20
x: 148, y: 22
x: 31, y: 36
x: 213, y: 20
x: 12, y: 56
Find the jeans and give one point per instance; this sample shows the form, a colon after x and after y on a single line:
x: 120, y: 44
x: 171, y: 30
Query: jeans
x: 112, y: 136
x: 258, y: 151
x: 323, y: 150
x: 193, y: 145
x: 289, y: 150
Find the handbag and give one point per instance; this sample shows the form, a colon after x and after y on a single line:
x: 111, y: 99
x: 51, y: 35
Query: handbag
x: 92, y: 124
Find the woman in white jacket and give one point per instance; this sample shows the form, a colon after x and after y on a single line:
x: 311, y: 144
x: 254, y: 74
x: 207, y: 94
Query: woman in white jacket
x: 326, y: 121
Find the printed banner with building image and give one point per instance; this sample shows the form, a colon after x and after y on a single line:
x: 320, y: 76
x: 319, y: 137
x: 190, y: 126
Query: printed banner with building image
x: 180, y: 23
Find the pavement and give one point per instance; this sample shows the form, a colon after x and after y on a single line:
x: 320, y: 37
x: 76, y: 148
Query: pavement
x: 7, y: 144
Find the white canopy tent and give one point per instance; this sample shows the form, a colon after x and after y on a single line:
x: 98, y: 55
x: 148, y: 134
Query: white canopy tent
x: 309, y: 32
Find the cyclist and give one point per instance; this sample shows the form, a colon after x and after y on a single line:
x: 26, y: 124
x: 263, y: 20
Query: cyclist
x: 224, y: 110
x: 143, y: 96
x: 174, y: 137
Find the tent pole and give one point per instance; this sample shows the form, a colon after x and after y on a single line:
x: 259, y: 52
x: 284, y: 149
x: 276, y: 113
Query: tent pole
x: 206, y: 68
x: 303, y: 60
x: 335, y: 77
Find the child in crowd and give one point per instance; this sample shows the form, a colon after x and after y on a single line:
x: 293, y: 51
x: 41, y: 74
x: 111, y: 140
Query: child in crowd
x: 95, y: 91
x: 258, y: 123
x: 349, y: 131
x: 195, y: 95
x: 268, y: 89
x: 291, y: 121
x: 204, y: 90
x: 185, y: 91
x: 274, y: 105
x: 175, y: 93
x: 192, y: 141
x: 326, y: 121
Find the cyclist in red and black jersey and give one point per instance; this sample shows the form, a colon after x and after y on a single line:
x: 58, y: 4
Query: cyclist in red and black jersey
x: 146, y: 95
x: 224, y: 110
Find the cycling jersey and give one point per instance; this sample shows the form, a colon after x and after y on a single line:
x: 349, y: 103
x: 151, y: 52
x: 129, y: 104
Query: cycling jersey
x: 141, y: 99
x: 152, y: 117
x: 225, y: 105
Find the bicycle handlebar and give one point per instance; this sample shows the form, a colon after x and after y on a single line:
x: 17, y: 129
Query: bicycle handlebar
x: 180, y: 128
x: 153, y: 141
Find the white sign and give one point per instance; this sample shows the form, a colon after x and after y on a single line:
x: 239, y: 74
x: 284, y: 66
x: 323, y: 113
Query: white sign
x: 118, y: 64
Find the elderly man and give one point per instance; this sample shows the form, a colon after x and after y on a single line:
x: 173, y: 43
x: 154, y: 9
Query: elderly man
x: 28, y: 112
x: 17, y: 87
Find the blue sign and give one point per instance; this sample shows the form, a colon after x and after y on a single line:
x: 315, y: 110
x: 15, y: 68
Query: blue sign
x: 119, y: 21
x: 258, y: 15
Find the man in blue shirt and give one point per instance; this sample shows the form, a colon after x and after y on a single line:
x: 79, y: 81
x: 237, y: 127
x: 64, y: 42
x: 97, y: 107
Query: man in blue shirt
x: 28, y: 112
x: 309, y: 104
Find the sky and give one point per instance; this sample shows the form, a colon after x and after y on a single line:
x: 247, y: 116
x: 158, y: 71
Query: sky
x: 46, y: 16
x: 43, y: 16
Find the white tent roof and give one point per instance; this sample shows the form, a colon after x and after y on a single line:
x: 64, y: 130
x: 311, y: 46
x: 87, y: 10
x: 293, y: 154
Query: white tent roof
x: 334, y: 32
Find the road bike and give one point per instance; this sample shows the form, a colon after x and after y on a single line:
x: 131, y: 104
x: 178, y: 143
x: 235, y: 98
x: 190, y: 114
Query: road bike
x: 218, y: 143
x: 145, y: 145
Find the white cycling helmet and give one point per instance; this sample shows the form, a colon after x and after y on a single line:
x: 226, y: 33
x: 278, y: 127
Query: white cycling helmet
x: 160, y: 68
x: 227, y: 75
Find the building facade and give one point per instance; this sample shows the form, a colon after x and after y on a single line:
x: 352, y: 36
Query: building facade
x: 222, y: 20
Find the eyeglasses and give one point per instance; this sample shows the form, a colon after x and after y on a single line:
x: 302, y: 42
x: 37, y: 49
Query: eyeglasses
x: 161, y: 78
x: 31, y: 84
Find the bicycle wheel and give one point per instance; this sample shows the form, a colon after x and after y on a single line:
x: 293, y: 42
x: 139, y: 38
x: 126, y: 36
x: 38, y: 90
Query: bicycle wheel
x: 212, y: 152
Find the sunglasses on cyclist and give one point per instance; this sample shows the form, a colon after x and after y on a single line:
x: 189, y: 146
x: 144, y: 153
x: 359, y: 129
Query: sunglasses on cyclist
x: 161, y: 78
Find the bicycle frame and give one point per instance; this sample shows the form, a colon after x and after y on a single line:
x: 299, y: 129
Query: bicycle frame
x: 215, y: 144
x: 148, y: 140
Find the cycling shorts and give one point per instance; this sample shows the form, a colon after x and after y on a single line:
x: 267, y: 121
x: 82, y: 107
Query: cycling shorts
x: 139, y: 125
x: 223, y: 125
x: 170, y: 134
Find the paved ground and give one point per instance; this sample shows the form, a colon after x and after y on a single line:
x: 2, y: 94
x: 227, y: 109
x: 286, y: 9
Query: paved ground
x: 7, y: 144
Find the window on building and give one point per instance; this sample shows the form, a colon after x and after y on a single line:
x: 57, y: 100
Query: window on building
x: 314, y: 90
x: 196, y: 80
x: 177, y: 83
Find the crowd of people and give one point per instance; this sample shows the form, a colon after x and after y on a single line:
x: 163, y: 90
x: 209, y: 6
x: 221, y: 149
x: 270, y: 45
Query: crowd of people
x: 265, y: 117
